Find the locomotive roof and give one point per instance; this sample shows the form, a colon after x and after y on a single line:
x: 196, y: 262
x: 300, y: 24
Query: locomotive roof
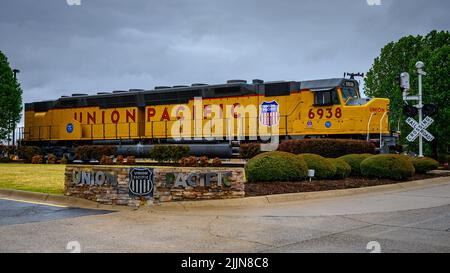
x: 182, y: 94
x: 319, y: 85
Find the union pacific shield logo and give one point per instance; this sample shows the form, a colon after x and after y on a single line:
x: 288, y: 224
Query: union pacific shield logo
x: 140, y: 181
x: 269, y: 113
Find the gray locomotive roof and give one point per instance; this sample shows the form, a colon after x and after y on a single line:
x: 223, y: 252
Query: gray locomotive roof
x: 180, y: 94
x: 319, y: 85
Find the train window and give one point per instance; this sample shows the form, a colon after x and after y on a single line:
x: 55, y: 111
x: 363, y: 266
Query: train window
x: 349, y: 93
x: 328, y: 97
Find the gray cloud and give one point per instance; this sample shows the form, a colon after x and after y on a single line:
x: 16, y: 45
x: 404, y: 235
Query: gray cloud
x: 109, y: 45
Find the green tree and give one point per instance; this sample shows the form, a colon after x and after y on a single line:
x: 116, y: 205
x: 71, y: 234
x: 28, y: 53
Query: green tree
x: 401, y: 56
x: 10, y: 99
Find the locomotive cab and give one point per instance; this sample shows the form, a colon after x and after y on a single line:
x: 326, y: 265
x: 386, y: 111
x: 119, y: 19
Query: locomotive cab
x: 336, y: 106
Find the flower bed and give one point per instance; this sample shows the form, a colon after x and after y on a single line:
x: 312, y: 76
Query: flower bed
x: 267, y: 188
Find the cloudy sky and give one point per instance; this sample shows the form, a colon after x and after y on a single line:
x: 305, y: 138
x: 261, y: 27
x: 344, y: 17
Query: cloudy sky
x: 105, y: 45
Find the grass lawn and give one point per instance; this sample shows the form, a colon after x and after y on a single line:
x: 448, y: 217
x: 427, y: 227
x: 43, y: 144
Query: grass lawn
x: 30, y: 177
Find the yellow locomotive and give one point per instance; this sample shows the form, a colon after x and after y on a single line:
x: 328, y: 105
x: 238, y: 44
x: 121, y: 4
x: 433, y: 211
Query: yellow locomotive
x: 207, y: 117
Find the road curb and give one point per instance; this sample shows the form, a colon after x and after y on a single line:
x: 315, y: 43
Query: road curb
x: 263, y: 201
x: 257, y: 201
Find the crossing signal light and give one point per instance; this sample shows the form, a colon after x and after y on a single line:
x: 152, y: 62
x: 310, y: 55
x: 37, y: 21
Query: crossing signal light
x: 429, y: 109
x: 410, y: 111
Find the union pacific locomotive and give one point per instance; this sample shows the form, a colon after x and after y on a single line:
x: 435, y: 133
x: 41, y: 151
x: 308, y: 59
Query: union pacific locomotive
x: 209, y: 118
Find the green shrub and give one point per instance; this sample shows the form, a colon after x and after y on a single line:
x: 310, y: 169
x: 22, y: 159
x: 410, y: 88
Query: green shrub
x: 276, y: 166
x: 343, y: 169
x: 327, y: 147
x: 88, y: 152
x: 424, y: 164
x: 354, y: 160
x: 249, y: 150
x: 324, y: 169
x: 389, y: 166
x: 164, y: 153
x: 82, y: 153
x: 179, y: 151
x: 27, y: 152
x: 5, y: 159
x: 444, y: 158
x: 160, y: 153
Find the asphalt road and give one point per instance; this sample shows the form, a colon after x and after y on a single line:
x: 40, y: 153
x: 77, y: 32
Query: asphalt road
x: 14, y: 212
x: 413, y: 220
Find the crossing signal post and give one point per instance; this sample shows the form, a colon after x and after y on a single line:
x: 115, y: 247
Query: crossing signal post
x: 419, y: 128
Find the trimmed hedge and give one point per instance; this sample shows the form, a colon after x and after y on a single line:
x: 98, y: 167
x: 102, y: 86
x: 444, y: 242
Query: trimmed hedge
x: 249, y: 150
x: 389, y: 166
x: 276, y: 166
x: 163, y: 153
x: 324, y: 169
x: 354, y: 160
x: 343, y: 169
x: 444, y: 158
x: 333, y: 148
x: 424, y: 164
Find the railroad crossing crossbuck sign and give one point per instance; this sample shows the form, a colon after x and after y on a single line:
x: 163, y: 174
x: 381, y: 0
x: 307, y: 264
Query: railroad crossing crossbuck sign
x: 420, y: 128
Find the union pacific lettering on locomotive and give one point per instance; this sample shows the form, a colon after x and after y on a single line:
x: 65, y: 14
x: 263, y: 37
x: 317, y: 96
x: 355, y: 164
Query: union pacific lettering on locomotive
x: 208, y: 118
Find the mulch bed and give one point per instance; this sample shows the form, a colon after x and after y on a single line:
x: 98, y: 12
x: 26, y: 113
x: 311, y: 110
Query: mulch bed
x: 267, y: 188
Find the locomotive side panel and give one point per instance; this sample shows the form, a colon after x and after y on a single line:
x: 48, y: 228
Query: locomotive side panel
x: 88, y: 123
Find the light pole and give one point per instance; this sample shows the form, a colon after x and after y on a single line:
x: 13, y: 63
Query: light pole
x: 15, y: 71
x: 419, y: 66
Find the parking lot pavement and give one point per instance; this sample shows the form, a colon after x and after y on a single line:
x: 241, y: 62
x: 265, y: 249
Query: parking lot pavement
x: 20, y: 212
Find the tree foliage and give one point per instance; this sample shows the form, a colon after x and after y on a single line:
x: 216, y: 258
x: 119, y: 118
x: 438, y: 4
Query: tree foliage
x: 10, y: 99
x: 401, y: 56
